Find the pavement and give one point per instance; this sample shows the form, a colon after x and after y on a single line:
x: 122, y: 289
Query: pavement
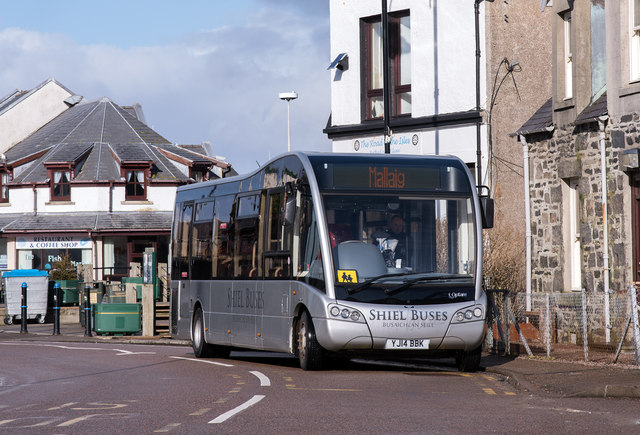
x: 565, y: 374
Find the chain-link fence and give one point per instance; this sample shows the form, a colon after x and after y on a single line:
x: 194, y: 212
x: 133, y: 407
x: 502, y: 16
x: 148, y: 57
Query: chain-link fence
x: 593, y: 327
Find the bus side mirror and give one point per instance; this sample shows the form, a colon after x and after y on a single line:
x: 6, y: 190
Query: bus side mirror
x: 486, y: 206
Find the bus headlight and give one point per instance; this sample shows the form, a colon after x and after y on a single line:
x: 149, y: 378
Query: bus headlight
x: 469, y: 314
x: 344, y: 313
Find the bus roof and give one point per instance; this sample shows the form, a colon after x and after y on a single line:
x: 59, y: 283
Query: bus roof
x: 345, y: 158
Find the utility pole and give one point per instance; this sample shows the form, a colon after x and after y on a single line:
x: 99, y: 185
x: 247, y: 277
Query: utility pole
x: 385, y: 79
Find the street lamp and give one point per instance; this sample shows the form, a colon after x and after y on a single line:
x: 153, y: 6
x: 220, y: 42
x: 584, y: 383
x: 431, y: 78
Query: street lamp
x: 288, y: 96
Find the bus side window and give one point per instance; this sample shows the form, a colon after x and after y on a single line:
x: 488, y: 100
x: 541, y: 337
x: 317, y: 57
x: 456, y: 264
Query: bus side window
x: 277, y: 256
x: 222, y: 238
x: 247, y: 226
x: 310, y: 268
x: 201, y: 241
x: 181, y: 242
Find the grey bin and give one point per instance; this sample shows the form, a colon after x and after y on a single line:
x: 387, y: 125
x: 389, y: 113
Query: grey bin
x: 37, y: 294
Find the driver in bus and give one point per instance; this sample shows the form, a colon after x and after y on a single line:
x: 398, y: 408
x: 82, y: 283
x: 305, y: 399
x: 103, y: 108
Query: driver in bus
x: 396, y: 232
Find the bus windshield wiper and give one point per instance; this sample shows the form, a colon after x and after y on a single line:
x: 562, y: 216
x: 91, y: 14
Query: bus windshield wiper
x: 370, y: 281
x: 409, y: 282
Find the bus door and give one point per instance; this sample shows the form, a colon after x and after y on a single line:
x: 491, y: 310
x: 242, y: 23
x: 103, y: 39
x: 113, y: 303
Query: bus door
x: 277, y: 258
x: 201, y: 263
x: 246, y: 300
x: 181, y: 299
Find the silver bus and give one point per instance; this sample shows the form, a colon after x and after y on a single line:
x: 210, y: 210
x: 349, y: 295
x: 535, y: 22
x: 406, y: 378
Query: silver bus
x: 329, y: 255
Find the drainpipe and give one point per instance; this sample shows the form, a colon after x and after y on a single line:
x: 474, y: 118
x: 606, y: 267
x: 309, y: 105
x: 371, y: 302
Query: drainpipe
x: 35, y: 199
x: 110, y: 196
x: 95, y: 256
x: 527, y: 218
x: 602, y: 121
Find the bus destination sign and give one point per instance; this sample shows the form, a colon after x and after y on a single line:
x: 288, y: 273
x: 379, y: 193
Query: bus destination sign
x: 385, y: 177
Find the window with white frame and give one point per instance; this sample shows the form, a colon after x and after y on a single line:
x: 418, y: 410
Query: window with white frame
x: 573, y: 256
x: 568, y: 57
x: 634, y: 42
x: 5, y: 177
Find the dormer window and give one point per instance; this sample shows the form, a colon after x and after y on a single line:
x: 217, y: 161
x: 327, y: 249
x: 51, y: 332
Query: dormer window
x: 136, y: 185
x: 5, y: 177
x: 60, y: 186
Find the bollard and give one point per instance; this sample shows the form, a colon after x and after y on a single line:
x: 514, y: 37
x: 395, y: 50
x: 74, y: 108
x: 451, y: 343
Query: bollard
x: 56, y: 309
x: 87, y: 312
x: 23, y: 310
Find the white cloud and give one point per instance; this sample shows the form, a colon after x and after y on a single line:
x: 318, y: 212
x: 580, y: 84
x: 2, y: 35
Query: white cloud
x: 218, y: 85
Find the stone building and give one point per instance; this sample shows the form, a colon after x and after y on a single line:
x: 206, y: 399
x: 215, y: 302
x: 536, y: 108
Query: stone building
x: 583, y: 147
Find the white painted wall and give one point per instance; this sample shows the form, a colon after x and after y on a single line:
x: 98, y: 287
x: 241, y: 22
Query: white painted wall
x: 89, y: 199
x: 41, y: 106
x: 442, y: 59
x: 442, y: 72
x: 458, y: 141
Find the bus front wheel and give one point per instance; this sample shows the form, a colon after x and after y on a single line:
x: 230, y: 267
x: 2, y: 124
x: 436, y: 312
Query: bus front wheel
x: 310, y: 353
x: 201, y: 348
x: 469, y: 361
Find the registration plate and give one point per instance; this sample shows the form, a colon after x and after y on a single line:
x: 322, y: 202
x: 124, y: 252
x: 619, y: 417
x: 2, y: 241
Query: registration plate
x: 402, y: 343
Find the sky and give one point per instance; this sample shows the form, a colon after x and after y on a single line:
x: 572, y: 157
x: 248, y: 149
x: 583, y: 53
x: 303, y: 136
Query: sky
x: 203, y: 70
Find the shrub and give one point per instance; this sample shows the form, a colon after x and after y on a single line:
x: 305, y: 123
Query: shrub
x: 63, y: 269
x: 504, y: 256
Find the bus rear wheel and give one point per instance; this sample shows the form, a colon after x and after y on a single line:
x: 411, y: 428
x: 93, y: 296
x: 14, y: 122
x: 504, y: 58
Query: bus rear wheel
x: 310, y: 353
x: 201, y: 348
x: 469, y: 361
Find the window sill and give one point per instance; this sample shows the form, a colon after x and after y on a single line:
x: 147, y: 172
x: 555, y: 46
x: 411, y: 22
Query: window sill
x: 136, y: 202
x: 60, y: 203
x: 632, y: 89
x: 5, y: 204
x: 564, y: 104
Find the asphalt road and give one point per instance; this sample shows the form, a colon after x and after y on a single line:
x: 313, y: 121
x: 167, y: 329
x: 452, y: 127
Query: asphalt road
x: 74, y: 388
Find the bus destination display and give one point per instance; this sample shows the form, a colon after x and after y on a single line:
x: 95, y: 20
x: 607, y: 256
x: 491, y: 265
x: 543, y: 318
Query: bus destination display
x: 385, y: 177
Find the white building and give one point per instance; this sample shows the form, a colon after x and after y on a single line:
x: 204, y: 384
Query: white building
x: 432, y: 62
x: 92, y: 181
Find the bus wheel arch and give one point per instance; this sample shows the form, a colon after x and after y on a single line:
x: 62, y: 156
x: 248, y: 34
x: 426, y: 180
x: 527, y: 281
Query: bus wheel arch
x: 309, y: 352
x: 201, y: 348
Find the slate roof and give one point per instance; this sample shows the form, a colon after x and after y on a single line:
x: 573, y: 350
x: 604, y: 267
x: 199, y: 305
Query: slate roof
x: 95, y: 221
x: 540, y: 122
x: 96, y: 137
x: 594, y: 110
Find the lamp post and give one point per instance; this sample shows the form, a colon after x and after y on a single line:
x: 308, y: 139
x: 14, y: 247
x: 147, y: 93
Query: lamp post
x: 288, y: 96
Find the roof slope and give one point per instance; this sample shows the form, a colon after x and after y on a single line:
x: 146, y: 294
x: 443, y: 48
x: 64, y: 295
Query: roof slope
x: 594, y: 110
x: 540, y: 122
x: 95, y: 221
x: 95, y: 136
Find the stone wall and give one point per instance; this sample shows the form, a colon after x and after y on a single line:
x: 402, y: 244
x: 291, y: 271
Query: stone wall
x: 573, y: 152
